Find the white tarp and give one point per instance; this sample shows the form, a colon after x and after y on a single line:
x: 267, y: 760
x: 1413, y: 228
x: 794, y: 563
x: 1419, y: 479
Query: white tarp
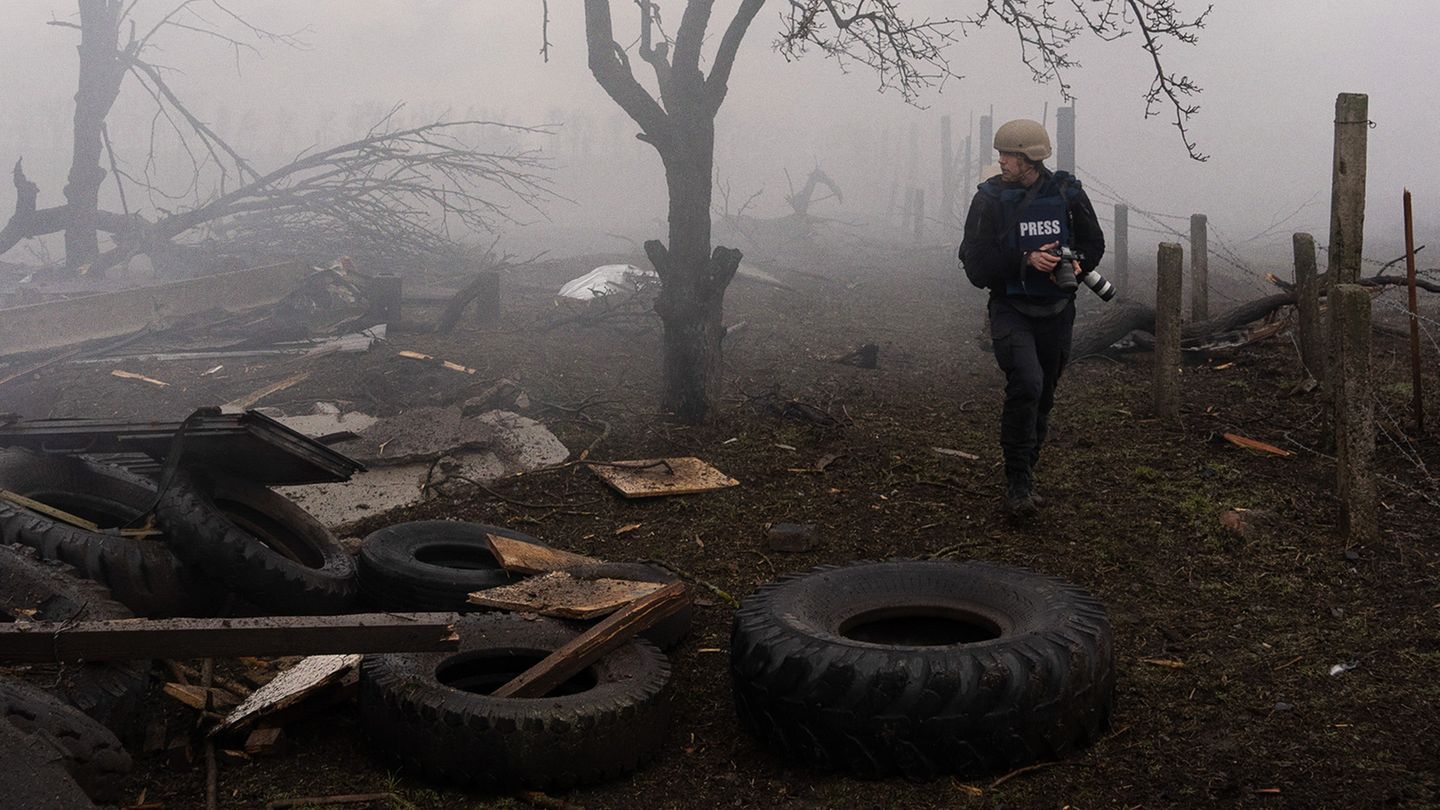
x: 608, y: 280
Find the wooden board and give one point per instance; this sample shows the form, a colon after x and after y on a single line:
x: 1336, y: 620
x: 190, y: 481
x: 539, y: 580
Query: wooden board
x: 592, y: 645
x: 123, y: 639
x: 292, y: 686
x: 529, y: 558
x: 649, y: 478
x: 562, y: 595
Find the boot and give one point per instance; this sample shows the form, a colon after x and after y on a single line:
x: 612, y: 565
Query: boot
x: 1019, y: 494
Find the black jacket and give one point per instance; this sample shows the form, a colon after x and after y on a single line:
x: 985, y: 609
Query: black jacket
x: 992, y: 259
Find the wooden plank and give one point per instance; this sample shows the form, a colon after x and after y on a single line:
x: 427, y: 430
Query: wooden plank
x: 34, y: 642
x: 561, y: 595
x: 47, y: 510
x: 200, y: 697
x: 249, y: 400
x: 529, y: 558
x: 648, y: 478
x: 592, y: 645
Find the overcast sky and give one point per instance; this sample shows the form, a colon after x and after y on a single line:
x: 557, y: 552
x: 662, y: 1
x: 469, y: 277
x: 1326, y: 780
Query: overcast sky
x: 1270, y: 70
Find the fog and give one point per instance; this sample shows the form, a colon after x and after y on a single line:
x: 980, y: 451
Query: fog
x: 1269, y: 71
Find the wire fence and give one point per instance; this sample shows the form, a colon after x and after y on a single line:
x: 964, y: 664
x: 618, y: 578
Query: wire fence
x: 1391, y: 419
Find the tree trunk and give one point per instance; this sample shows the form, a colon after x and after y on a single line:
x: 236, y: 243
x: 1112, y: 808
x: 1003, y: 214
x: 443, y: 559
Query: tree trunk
x: 692, y: 279
x: 101, y: 69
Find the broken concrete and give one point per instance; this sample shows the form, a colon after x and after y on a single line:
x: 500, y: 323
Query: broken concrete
x: 420, y: 450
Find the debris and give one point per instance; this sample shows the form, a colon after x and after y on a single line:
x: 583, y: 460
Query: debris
x: 1168, y: 663
x: 130, y: 375
x: 446, y: 363
x: 56, y: 324
x: 668, y: 476
x: 1282, y: 706
x: 248, y: 444
x: 867, y: 356
x: 200, y: 697
x: 1252, y: 444
x: 128, y: 639
x: 309, y: 677
x: 428, y: 451
x: 945, y: 451
x: 627, y: 528
x: 564, y: 596
x: 1304, y: 386
x: 265, y: 741
x: 791, y: 537
x: 592, y: 645
x: 208, y: 372
x: 606, y: 280
x: 253, y: 397
x: 528, y: 558
x: 344, y: 798
x: 1342, y: 668
x: 825, y: 461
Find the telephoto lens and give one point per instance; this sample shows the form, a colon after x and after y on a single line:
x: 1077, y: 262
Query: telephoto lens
x: 1099, y: 285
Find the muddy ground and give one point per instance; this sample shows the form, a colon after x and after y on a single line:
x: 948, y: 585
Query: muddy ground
x: 1225, y: 642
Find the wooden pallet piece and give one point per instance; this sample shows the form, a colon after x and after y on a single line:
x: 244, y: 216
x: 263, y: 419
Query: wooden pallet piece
x: 564, y: 596
x: 649, y: 478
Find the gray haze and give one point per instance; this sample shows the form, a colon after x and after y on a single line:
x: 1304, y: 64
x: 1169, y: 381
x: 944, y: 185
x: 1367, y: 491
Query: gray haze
x: 1270, y: 72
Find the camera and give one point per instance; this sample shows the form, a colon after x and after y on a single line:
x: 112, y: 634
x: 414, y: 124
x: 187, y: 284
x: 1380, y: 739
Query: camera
x: 1069, y: 282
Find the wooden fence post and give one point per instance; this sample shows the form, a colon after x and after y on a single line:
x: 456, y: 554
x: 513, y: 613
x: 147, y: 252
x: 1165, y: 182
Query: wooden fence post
x: 1168, y: 279
x: 1307, y: 303
x: 1199, y: 268
x: 947, y: 175
x: 1122, y: 245
x: 919, y: 215
x: 1065, y: 139
x: 1354, y: 410
x: 986, y: 148
x: 1347, y: 187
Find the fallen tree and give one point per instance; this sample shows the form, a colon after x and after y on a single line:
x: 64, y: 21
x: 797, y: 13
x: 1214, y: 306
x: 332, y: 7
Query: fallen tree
x: 1124, y: 316
x: 392, y: 194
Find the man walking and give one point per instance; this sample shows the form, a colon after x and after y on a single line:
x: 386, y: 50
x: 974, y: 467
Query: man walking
x: 1017, y: 225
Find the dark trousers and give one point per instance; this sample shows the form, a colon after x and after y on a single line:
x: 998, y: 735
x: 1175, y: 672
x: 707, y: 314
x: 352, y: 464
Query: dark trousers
x: 1032, y: 351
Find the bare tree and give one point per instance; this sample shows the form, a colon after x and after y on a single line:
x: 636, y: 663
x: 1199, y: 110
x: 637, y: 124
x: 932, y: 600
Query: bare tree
x: 906, y: 54
x: 393, y: 193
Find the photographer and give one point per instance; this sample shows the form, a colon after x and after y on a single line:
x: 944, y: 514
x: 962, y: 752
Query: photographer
x: 1018, y: 223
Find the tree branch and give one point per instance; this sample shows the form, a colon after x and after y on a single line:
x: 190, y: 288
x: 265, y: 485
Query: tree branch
x: 611, y: 69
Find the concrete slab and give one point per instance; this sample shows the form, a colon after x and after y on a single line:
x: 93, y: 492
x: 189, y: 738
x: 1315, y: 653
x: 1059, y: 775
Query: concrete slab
x: 409, y: 454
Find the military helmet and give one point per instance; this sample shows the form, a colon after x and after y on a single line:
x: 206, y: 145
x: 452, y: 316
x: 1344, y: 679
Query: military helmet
x: 1022, y: 135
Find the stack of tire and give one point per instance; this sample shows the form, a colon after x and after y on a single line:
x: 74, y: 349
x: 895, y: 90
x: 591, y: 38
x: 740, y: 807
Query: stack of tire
x: 223, y: 545
x: 227, y: 545
x: 433, y: 714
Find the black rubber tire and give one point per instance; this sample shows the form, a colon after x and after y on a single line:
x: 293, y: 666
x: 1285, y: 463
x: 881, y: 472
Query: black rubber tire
x: 431, y: 564
x: 142, y: 574
x: 259, y: 543
x: 35, y: 777
x: 92, y: 755
x: 551, y: 743
x: 833, y: 669
x: 111, y: 693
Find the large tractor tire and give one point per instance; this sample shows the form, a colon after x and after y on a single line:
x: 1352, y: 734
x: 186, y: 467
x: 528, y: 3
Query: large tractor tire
x: 922, y: 668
